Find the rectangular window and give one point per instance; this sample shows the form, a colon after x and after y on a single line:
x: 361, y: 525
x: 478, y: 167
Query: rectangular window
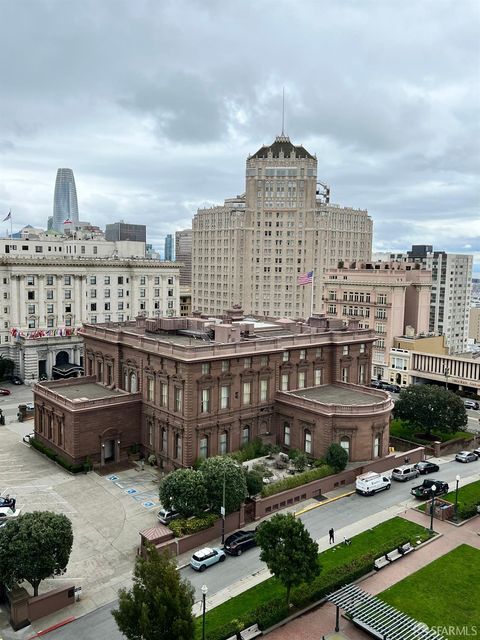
x: 247, y: 363
x: 49, y: 308
x: 30, y: 281
x: 178, y: 400
x: 263, y: 390
x: 163, y: 394
x: 142, y: 293
x: 93, y: 279
x: 50, y: 322
x: 150, y: 389
x: 164, y: 440
x: 225, y: 366
x: 67, y: 280
x: 106, y: 279
x: 247, y: 393
x: 223, y: 444
x: 68, y: 294
x: 318, y: 352
x: 345, y: 374
x: 205, y: 403
x: 284, y: 384
x: 30, y: 295
x: 318, y: 377
x: 301, y: 379
x: 362, y: 348
x: 345, y: 350
x: 150, y: 434
x: 93, y: 306
x: 106, y: 293
x: 203, y: 450
x: 361, y: 374
x: 303, y: 354
x: 308, y: 442
x: 50, y: 281
x: 178, y: 445
x: 264, y: 361
x: 31, y: 308
x: 93, y: 293
x: 224, y: 397
x: 286, y: 356
x: 107, y: 306
x: 205, y: 368
x: 49, y: 294
x: 142, y: 280
x: 120, y: 293
x: 31, y: 323
x: 286, y: 434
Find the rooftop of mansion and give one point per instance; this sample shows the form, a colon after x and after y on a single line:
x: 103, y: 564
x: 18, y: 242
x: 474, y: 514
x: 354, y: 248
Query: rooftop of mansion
x: 199, y: 336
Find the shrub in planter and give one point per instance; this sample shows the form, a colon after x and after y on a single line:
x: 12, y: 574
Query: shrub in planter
x: 270, y: 613
x: 467, y: 509
x: 185, y: 527
x: 296, y: 481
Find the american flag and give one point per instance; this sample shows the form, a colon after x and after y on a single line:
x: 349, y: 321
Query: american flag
x: 305, y: 278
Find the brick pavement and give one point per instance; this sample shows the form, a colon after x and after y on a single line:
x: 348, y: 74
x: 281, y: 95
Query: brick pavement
x: 313, y: 625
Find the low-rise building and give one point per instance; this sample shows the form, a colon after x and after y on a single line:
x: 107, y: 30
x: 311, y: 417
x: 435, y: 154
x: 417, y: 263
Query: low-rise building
x: 188, y: 388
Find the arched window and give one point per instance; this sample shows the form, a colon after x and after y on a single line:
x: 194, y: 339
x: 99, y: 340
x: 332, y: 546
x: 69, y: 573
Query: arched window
x: 307, y: 441
x: 377, y: 445
x: 286, y: 434
x: 345, y: 444
x: 133, y: 382
x: 245, y: 435
x: 223, y: 443
x: 203, y: 449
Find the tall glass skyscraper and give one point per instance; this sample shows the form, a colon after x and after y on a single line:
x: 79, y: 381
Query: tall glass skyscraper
x: 169, y: 247
x: 65, y: 205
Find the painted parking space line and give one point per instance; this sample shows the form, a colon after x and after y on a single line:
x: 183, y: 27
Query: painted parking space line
x: 310, y: 507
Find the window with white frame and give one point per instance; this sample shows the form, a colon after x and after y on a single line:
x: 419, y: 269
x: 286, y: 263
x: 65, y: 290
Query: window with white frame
x: 247, y: 363
x: 178, y: 445
x: 307, y: 442
x: 163, y: 394
x: 345, y: 444
x: 150, y: 389
x: 205, y: 368
x: 205, y: 403
x: 164, y: 440
x: 318, y: 377
x: 245, y: 435
x: 263, y: 390
x: 344, y: 374
x: 223, y: 443
x: 362, y: 348
x: 224, y: 396
x: 345, y: 350
x: 178, y: 400
x: 361, y: 374
x: 286, y: 434
x: 203, y: 448
x: 303, y: 354
x: 150, y: 434
x: 247, y: 393
x: 284, y: 382
x: 286, y: 356
x: 301, y: 379
x: 376, y: 445
x: 225, y: 366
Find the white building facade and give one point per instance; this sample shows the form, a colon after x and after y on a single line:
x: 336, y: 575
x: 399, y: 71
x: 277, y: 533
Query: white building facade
x: 50, y: 288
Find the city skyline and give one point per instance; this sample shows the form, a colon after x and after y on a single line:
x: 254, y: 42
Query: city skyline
x: 395, y: 133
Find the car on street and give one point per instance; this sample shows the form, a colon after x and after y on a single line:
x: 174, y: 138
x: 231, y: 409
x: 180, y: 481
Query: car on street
x: 4, y: 392
x: 30, y: 406
x: 465, y: 456
x: 393, y: 388
x: 477, y: 452
x: 424, y: 490
x: 165, y: 516
x: 206, y: 557
x: 471, y: 404
x: 7, y: 512
x: 7, y: 501
x: 28, y: 438
x: 16, y: 380
x: 371, y: 482
x: 376, y: 384
x: 239, y: 542
x: 405, y: 472
x: 426, y: 467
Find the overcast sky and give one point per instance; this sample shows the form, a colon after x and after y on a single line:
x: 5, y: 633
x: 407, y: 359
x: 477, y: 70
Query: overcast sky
x: 155, y: 105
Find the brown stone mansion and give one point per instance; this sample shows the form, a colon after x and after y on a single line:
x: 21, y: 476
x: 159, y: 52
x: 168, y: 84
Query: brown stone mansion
x: 187, y: 388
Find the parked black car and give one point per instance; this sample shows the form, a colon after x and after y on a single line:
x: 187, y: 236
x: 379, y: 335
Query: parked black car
x: 393, y: 388
x: 427, y: 467
x: 16, y: 380
x: 239, y: 542
x: 376, y: 384
x: 424, y: 490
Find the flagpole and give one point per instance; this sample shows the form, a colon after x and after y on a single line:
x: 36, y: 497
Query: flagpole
x: 311, y: 302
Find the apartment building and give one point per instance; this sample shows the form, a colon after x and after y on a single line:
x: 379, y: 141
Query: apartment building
x: 50, y: 287
x: 387, y: 297
x: 253, y: 248
x: 183, y: 254
x: 188, y: 388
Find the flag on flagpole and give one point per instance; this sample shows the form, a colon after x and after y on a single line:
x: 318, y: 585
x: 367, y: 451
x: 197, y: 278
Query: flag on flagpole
x: 305, y: 278
x: 8, y: 216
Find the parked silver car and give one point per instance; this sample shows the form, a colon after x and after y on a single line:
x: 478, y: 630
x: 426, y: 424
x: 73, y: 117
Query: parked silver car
x: 465, y: 456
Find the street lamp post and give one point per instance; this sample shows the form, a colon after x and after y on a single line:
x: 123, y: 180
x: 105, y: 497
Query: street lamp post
x: 204, y: 598
x: 457, y: 478
x: 222, y: 509
x: 433, y: 488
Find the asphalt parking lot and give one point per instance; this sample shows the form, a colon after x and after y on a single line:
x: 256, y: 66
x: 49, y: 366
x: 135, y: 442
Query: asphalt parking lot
x: 107, y: 512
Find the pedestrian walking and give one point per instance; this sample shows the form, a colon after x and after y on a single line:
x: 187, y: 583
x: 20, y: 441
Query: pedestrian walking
x: 331, y: 536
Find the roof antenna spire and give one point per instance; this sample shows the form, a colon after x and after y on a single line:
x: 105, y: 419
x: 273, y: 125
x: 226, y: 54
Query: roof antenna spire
x: 283, y: 111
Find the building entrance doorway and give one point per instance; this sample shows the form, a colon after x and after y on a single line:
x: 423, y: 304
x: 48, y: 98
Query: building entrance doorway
x: 109, y: 451
x: 61, y: 358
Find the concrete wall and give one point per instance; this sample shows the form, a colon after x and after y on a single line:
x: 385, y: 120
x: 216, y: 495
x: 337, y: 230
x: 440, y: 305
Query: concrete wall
x: 47, y: 603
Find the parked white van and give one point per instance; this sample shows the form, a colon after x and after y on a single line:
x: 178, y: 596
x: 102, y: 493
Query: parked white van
x: 369, y: 483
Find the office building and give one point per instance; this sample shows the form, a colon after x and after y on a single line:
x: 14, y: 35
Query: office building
x: 125, y: 231
x: 253, y: 248
x: 189, y: 388
x: 169, y: 247
x: 183, y: 253
x: 50, y: 287
x: 387, y: 297
x: 65, y: 205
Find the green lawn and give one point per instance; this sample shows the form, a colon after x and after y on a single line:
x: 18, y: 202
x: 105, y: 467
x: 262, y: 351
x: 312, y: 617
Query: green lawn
x: 446, y: 593
x: 366, y: 546
x: 401, y: 429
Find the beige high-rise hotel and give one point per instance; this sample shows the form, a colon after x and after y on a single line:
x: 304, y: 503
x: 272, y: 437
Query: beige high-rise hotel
x: 251, y: 249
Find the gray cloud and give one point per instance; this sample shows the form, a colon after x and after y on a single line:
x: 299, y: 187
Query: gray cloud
x: 155, y: 106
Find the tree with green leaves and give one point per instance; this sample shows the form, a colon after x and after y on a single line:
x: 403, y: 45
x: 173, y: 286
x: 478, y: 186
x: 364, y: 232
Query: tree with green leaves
x: 336, y: 457
x: 159, y: 604
x: 33, y: 547
x: 222, y: 472
x: 288, y: 550
x: 428, y: 407
x: 254, y: 480
x: 184, y: 490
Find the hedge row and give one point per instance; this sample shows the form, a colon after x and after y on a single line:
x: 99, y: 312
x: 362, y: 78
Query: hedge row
x: 187, y: 526
x: 297, y: 480
x: 53, y: 455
